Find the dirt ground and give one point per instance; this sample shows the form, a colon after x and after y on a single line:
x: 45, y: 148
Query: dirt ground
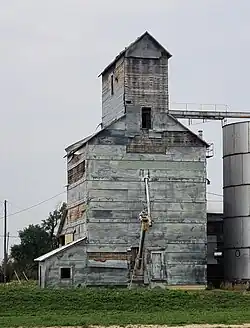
x: 246, y: 325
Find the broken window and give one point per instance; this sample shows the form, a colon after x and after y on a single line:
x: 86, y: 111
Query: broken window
x: 76, y: 173
x: 65, y: 273
x: 146, y: 118
x: 112, y: 84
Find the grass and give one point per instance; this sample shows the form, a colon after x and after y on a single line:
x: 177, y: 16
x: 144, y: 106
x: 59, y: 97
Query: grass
x: 29, y: 306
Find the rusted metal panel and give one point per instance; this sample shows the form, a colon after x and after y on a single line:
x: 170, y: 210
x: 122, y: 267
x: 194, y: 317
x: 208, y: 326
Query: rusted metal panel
x: 76, y: 213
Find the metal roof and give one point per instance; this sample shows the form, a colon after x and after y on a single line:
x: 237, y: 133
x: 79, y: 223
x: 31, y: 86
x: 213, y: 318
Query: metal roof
x: 58, y: 250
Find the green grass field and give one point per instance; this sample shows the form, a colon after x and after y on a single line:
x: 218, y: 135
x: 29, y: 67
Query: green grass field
x: 29, y: 306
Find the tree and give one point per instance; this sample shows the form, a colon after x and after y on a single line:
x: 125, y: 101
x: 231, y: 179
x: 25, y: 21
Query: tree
x: 36, y: 240
x: 52, y: 222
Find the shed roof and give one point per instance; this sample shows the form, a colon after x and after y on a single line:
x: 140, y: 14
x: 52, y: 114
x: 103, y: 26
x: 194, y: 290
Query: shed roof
x: 123, y: 52
x: 58, y: 250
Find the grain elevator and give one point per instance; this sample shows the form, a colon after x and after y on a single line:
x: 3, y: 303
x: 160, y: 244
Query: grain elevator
x: 136, y: 189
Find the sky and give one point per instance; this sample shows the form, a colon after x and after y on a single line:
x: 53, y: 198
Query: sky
x: 51, y: 54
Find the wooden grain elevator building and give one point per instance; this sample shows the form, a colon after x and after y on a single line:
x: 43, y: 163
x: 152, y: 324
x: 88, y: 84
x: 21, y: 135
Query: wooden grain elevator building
x: 106, y: 188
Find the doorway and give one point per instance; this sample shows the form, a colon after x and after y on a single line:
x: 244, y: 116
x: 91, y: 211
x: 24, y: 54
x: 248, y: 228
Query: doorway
x: 157, y: 265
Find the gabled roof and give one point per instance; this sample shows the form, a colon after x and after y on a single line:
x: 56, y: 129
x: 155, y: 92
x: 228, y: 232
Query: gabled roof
x: 190, y: 131
x: 123, y: 52
x: 77, y: 145
x: 58, y: 250
x: 73, y: 148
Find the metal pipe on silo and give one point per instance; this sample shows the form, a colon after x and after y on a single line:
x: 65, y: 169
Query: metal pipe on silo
x: 236, y: 191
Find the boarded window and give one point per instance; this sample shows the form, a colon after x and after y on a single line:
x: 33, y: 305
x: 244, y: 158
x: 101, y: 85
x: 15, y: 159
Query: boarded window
x: 76, y: 173
x: 146, y: 118
x: 65, y: 273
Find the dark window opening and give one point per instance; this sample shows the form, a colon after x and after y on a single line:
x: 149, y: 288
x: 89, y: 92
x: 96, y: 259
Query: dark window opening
x: 65, y: 273
x: 112, y: 84
x: 76, y: 173
x: 62, y: 240
x: 146, y: 118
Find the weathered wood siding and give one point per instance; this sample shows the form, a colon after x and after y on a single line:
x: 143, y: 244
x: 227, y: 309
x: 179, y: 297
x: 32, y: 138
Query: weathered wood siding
x: 75, y: 222
x: 146, y: 76
x: 75, y: 258
x: 105, y: 202
x: 116, y: 195
x: 113, y: 104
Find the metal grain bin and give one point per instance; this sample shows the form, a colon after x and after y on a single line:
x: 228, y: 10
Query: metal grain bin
x: 236, y: 190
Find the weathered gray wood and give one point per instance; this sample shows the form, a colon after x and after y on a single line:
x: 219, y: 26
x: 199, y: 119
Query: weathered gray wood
x: 113, y: 191
x: 117, y: 152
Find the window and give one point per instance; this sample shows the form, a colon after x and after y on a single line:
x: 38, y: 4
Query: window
x: 146, y: 118
x: 65, y: 273
x: 112, y: 84
x: 76, y: 173
x: 62, y: 240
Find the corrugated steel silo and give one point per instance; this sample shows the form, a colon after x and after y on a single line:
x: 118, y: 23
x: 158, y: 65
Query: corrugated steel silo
x: 236, y: 189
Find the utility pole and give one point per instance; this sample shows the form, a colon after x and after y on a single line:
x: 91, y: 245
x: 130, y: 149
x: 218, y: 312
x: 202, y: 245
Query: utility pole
x: 5, y: 241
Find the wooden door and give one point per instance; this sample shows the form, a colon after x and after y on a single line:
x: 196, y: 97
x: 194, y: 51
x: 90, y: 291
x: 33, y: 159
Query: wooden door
x: 157, y: 265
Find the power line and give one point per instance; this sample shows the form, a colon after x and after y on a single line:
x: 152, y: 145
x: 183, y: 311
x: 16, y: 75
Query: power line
x: 10, y: 236
x: 35, y: 205
x: 48, y: 199
x: 212, y: 193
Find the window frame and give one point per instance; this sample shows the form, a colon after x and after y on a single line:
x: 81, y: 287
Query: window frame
x: 60, y: 272
x: 146, y: 111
